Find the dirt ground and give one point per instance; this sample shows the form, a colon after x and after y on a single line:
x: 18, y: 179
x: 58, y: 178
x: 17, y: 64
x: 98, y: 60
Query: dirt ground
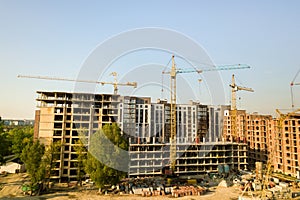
x: 10, y: 187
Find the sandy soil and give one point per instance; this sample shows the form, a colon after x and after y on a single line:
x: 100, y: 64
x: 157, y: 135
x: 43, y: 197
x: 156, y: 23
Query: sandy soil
x: 220, y: 193
x: 11, y: 189
x: 11, y: 184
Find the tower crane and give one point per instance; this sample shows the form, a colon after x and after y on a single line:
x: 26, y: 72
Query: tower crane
x: 291, y: 85
x: 234, y: 89
x: 173, y: 72
x: 114, y: 74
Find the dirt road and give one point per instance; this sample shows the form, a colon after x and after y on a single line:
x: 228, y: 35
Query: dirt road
x: 11, y: 189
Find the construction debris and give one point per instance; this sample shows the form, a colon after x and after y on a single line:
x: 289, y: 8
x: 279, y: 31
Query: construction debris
x: 147, y: 187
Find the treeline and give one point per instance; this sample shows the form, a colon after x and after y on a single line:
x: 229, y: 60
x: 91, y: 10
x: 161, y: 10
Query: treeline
x: 14, y: 141
x: 104, y: 162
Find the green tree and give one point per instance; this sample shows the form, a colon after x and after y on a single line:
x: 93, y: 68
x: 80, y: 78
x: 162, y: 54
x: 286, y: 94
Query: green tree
x: 4, y: 144
x: 32, y: 156
x: 107, y: 158
x: 20, y: 137
x: 4, y: 147
x: 51, y: 155
x: 81, y: 152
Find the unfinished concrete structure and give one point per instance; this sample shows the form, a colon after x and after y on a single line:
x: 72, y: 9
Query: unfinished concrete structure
x: 269, y: 140
x: 259, y: 131
x: 63, y: 117
x: 192, y: 158
x: 216, y: 121
x: 240, y: 126
x: 198, y: 150
x: 287, y: 145
x: 255, y: 130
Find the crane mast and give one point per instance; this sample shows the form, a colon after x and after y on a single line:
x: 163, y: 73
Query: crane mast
x: 115, y: 83
x: 233, y: 93
x: 234, y: 89
x: 173, y: 116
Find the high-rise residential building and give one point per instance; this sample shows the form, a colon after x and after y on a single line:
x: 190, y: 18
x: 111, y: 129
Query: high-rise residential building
x: 287, y: 145
x: 66, y: 117
x: 151, y: 159
x: 269, y: 140
x: 240, y: 126
x: 259, y: 130
x: 254, y: 129
x: 216, y: 120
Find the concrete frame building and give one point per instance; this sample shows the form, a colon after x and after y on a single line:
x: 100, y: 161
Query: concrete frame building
x: 65, y: 117
x: 253, y: 129
x: 240, y: 126
x: 192, y: 158
x: 259, y: 132
x: 287, y: 146
x: 216, y: 120
x: 268, y: 140
x: 196, y: 153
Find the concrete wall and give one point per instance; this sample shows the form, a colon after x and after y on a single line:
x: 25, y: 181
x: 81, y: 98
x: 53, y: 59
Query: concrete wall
x: 46, y: 124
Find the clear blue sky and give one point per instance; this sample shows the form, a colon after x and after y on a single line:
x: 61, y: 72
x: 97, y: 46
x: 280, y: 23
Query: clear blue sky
x: 54, y: 38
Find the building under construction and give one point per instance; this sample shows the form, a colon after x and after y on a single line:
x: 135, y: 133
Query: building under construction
x: 192, y: 158
x: 61, y: 116
x: 203, y: 141
x: 286, y: 146
x: 253, y: 129
x: 272, y: 141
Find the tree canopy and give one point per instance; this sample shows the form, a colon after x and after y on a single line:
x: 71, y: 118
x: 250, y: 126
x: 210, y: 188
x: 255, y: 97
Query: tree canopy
x: 20, y: 137
x: 32, y: 156
x: 107, y: 159
x: 14, y: 140
x: 81, y: 151
x: 5, y: 144
x: 51, y: 155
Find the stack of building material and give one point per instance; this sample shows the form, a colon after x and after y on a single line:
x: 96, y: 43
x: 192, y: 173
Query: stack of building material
x: 176, y: 191
x: 188, y: 191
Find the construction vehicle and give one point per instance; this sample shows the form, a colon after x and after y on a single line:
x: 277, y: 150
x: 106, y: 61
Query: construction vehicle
x: 114, y: 74
x: 233, y: 114
x: 173, y: 72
